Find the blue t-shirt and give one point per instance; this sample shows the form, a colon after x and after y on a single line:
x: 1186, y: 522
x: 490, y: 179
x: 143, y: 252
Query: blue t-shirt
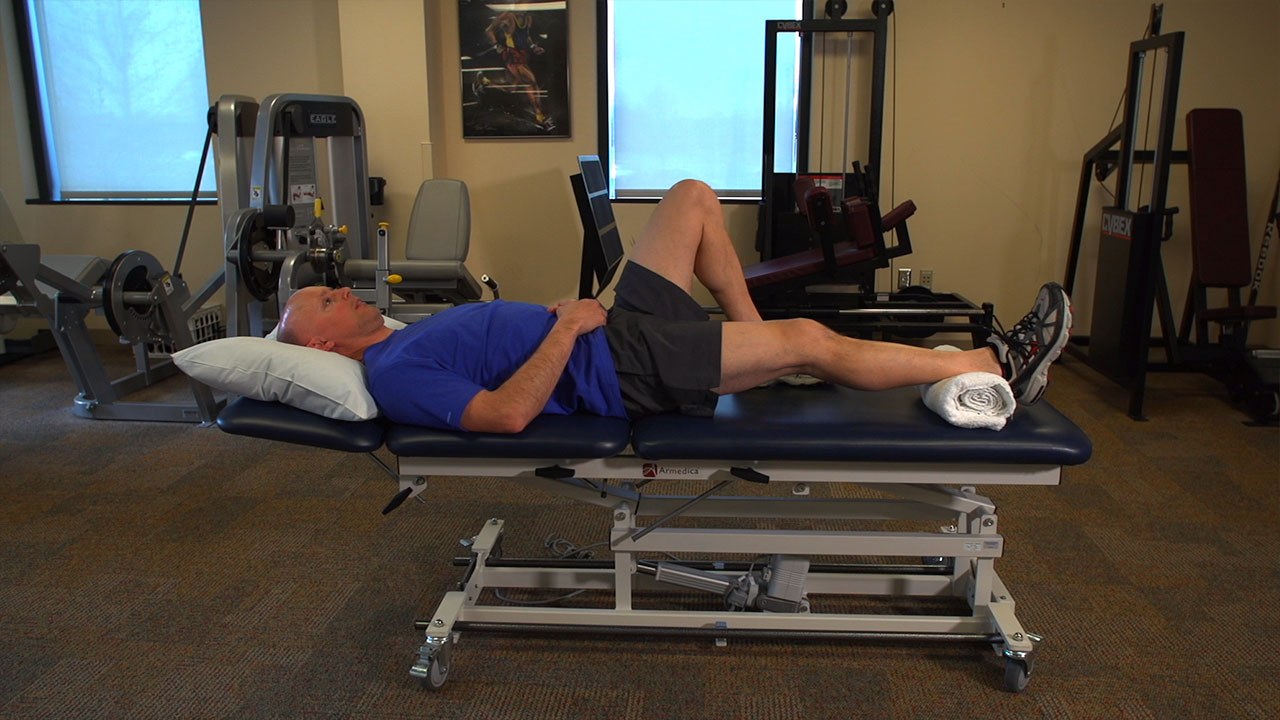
x: 427, y: 373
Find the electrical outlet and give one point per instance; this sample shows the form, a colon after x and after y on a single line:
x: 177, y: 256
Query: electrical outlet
x: 926, y: 278
x: 904, y: 277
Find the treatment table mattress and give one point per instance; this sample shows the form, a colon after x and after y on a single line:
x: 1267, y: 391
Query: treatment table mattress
x: 777, y: 423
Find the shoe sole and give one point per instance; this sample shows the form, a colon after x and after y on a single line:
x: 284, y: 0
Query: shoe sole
x: 1038, y: 381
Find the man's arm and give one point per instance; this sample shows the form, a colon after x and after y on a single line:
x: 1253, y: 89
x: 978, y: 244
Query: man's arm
x: 498, y: 23
x: 524, y: 395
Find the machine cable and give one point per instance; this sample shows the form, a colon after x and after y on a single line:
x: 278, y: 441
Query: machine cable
x: 561, y: 549
x: 195, y: 193
x: 1103, y: 170
x: 1146, y: 129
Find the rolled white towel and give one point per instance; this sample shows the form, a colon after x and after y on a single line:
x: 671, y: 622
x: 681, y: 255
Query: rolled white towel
x: 970, y: 400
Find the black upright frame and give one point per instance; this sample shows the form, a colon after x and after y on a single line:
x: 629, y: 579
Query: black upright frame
x: 1163, y: 151
x: 1133, y: 275
x: 877, y: 29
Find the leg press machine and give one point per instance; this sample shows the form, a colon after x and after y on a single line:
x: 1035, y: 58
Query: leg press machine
x: 795, y: 440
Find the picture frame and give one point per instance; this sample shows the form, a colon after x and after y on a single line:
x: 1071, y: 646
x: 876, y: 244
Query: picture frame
x: 515, y: 68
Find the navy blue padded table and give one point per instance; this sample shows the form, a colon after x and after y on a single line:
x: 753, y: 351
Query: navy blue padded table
x: 777, y: 423
x: 804, y: 443
x: 826, y: 422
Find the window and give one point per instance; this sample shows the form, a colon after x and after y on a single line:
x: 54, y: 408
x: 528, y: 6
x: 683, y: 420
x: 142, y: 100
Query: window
x: 117, y: 97
x: 685, y: 91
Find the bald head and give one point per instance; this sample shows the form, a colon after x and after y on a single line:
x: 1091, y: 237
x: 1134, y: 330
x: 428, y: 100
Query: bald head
x: 331, y: 319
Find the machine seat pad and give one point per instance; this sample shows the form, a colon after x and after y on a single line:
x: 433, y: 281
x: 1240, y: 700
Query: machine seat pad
x: 84, y: 269
x: 558, y: 437
x: 424, y: 271
x: 811, y: 261
x: 902, y: 212
x: 826, y: 422
x: 802, y: 264
x: 277, y: 421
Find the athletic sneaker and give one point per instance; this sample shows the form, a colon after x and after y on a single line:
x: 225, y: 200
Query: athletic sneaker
x: 1026, y: 352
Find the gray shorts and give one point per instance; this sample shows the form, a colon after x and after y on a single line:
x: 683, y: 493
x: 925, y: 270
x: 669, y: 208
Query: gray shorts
x: 666, y: 348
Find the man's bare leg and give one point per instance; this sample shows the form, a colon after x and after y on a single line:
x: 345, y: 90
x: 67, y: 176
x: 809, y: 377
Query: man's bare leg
x: 754, y: 353
x: 522, y: 75
x: 686, y: 238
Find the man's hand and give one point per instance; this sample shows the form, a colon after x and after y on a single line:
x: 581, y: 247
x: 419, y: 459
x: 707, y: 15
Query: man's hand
x: 582, y: 316
x: 511, y: 407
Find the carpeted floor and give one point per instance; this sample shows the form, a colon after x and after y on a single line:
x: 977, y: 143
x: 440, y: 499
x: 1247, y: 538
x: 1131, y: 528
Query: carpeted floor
x: 172, y: 571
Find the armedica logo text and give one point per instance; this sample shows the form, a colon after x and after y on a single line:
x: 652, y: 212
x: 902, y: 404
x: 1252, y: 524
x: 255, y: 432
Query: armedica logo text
x: 653, y: 470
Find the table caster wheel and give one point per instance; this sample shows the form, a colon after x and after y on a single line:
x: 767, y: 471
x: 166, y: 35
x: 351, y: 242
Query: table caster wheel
x: 1017, y: 673
x: 432, y: 669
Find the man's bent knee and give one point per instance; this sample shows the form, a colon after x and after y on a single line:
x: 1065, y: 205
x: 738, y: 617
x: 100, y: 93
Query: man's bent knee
x: 695, y: 191
x: 806, y: 331
x: 805, y: 339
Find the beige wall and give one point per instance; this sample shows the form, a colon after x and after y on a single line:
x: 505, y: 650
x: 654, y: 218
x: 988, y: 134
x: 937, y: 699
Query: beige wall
x: 996, y: 103
x: 990, y: 143
x: 524, y: 224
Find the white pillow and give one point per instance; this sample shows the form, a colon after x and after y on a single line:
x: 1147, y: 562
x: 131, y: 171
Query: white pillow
x: 324, y: 383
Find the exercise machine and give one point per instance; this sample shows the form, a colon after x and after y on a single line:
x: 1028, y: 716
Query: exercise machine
x: 1130, y: 282
x: 144, y: 304
x: 822, y: 235
x: 1130, y: 285
x: 148, y: 307
x: 295, y: 232
x: 279, y: 241
x: 1220, y: 262
x: 433, y: 274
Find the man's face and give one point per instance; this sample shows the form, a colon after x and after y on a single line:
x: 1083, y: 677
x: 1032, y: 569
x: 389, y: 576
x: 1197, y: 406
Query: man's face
x: 332, y: 315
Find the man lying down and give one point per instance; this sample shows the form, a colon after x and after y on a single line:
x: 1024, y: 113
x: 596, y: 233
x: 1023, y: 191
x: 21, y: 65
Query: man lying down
x: 494, y: 367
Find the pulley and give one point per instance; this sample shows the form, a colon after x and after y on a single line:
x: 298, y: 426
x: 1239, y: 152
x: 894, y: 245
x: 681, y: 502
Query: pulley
x: 129, y: 296
x: 882, y: 8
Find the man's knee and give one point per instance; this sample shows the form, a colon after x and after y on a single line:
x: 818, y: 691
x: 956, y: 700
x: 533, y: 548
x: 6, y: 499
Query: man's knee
x: 694, y: 192
x: 805, y: 336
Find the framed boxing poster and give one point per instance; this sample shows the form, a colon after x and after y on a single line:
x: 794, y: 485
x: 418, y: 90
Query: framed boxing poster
x: 515, y: 68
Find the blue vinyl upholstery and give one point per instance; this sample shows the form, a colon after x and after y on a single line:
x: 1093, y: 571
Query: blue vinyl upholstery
x: 547, y: 437
x: 277, y: 421
x: 832, y: 423
x: 778, y: 423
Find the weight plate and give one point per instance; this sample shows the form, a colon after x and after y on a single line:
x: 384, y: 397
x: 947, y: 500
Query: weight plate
x: 260, y: 277
x: 131, y: 272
